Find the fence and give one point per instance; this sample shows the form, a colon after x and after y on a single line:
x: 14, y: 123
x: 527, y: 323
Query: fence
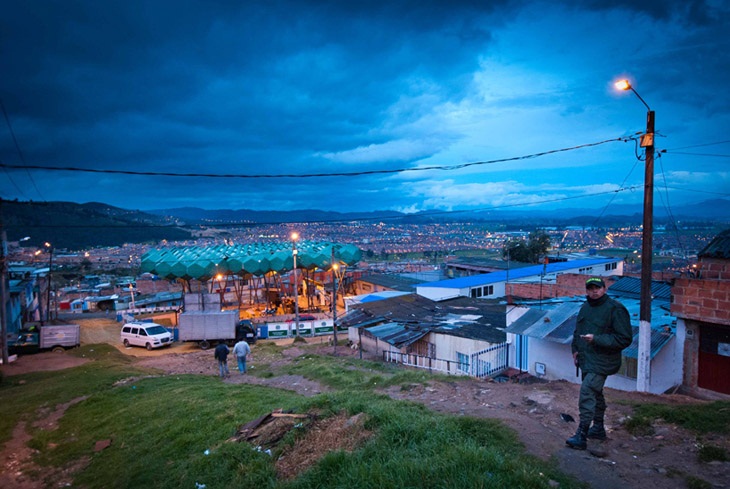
x: 489, y: 361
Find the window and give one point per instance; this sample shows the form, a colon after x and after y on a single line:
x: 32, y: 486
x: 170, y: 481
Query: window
x: 611, y: 266
x: 629, y: 367
x: 463, y: 362
x: 488, y: 290
x: 475, y: 293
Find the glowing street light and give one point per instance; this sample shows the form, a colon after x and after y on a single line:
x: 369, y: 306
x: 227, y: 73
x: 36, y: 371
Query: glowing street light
x: 647, y: 142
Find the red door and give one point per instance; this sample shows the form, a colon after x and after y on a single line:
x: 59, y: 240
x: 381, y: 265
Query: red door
x: 714, y: 358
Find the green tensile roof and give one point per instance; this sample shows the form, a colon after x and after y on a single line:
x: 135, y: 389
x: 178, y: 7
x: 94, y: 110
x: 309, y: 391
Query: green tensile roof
x: 202, y: 263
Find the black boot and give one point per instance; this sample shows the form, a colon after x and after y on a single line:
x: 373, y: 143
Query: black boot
x: 578, y: 441
x: 597, y: 431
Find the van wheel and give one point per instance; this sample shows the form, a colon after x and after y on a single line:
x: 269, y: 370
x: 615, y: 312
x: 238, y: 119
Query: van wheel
x: 58, y: 349
x: 126, y: 343
x: 204, y: 345
x: 148, y: 346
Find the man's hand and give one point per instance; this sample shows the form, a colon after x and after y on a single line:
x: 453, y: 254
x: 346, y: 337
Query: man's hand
x: 575, y: 359
x: 587, y: 337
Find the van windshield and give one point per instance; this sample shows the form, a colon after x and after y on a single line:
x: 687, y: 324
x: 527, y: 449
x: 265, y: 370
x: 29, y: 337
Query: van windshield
x: 152, y: 330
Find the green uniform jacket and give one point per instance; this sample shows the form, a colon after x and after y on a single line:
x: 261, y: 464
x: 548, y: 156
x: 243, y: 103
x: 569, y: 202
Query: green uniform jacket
x: 609, y: 323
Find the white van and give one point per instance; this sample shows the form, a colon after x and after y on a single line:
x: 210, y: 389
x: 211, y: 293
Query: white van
x: 149, y: 335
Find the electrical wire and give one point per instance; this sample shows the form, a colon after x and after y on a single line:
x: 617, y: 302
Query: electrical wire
x: 665, y: 200
x: 697, y: 154
x: 320, y: 175
x: 17, y: 148
x: 701, y: 145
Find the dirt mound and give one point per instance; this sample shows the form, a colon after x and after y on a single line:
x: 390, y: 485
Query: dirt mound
x: 314, y: 438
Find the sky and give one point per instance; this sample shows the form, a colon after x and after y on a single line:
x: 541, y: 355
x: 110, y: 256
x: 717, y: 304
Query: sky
x: 414, y: 105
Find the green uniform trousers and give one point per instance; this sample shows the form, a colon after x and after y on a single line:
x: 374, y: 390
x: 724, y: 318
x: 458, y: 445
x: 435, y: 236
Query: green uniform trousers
x: 591, y: 403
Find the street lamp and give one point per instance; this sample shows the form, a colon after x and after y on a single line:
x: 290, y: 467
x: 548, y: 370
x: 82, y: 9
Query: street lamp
x: 50, y: 267
x: 647, y: 142
x: 131, y: 295
x: 294, y: 251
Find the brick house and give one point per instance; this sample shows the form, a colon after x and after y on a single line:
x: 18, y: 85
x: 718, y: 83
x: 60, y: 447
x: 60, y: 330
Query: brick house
x: 702, y: 307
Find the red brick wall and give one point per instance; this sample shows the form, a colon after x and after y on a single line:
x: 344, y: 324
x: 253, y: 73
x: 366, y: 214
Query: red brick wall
x: 568, y: 284
x: 714, y: 269
x: 702, y: 300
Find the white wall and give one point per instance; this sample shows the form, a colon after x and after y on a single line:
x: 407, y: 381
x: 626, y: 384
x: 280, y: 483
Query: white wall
x: 448, y: 345
x: 441, y: 293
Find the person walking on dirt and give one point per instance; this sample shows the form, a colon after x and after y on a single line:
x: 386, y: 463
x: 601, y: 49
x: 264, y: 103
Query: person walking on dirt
x: 221, y: 354
x: 602, y: 331
x: 241, y: 350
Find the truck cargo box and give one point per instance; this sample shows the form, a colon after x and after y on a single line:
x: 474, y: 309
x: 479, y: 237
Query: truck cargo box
x: 207, y: 325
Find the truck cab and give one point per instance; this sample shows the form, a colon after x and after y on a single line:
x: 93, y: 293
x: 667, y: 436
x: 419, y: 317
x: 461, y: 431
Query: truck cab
x: 245, y: 330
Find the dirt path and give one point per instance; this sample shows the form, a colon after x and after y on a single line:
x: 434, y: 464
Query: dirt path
x: 663, y: 460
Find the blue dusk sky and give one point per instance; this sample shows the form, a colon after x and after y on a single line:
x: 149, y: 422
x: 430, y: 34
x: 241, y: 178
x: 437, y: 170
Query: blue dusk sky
x: 415, y: 105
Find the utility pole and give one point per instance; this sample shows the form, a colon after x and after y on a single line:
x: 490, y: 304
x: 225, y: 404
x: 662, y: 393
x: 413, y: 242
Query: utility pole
x: 48, y: 297
x: 643, y: 374
x: 295, y: 252
x: 643, y: 371
x: 334, y: 300
x: 3, y: 290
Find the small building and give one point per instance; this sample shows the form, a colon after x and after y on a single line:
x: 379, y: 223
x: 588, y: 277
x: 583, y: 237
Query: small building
x: 540, y: 338
x: 493, y: 285
x: 702, y: 307
x: 461, y: 336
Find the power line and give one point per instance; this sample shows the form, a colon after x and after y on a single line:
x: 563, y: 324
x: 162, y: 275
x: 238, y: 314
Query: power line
x: 17, y: 148
x: 318, y: 175
x: 698, y: 154
x: 701, y: 145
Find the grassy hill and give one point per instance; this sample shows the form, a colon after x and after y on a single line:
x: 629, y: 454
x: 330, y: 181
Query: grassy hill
x: 74, y: 226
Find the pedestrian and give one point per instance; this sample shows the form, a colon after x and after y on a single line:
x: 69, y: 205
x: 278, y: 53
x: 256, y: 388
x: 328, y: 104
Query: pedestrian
x: 602, y: 331
x: 221, y: 354
x: 241, y: 350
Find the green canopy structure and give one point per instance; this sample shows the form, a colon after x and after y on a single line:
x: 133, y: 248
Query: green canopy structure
x: 204, y: 263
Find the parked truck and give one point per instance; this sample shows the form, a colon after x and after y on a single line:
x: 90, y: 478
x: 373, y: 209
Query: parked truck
x: 43, y: 338
x: 209, y: 328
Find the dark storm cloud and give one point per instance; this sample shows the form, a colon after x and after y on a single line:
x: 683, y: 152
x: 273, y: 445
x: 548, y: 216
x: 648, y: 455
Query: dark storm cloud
x: 181, y: 71
x: 289, y: 86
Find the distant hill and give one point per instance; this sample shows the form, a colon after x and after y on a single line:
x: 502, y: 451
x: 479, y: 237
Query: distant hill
x: 717, y: 209
x: 79, y: 226
x: 194, y: 215
x: 72, y: 226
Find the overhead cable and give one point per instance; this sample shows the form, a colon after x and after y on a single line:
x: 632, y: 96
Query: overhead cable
x: 315, y: 175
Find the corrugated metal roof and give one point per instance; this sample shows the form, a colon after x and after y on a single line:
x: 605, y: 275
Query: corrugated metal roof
x: 719, y: 247
x: 462, y: 316
x: 396, y: 334
x: 560, y: 324
x: 532, y: 271
x: 659, y: 338
x: 631, y: 287
x: 395, y: 282
x: 554, y: 324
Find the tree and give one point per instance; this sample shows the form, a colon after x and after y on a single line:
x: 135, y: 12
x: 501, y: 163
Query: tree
x: 527, y: 251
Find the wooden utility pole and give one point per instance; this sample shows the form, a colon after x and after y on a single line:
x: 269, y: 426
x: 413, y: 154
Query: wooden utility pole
x: 3, y: 290
x: 643, y: 374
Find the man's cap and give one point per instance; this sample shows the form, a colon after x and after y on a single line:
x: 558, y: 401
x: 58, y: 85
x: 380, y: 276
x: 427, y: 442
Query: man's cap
x: 595, y: 281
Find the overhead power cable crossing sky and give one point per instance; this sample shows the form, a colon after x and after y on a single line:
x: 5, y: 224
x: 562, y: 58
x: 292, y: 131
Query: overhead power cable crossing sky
x: 319, y: 175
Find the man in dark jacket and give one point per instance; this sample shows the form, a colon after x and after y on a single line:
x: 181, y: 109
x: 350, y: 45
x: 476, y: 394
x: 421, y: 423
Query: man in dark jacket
x: 221, y: 354
x: 602, y: 331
